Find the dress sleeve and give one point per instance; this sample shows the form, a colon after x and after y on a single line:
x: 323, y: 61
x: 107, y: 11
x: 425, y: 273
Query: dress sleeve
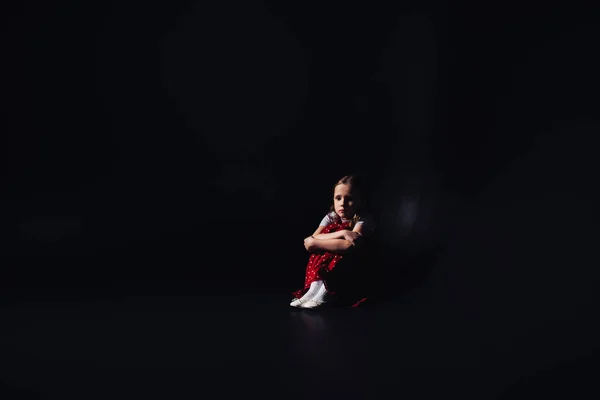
x: 368, y: 223
x: 326, y: 220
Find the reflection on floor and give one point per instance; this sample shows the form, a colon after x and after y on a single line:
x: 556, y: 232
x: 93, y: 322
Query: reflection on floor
x: 181, y: 347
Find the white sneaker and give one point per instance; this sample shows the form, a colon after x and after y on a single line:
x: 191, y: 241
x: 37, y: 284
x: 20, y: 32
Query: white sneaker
x: 296, y: 303
x: 316, y: 302
x: 315, y: 288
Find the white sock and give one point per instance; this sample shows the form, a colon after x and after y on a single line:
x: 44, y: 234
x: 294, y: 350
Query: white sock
x: 320, y: 293
x: 315, y: 287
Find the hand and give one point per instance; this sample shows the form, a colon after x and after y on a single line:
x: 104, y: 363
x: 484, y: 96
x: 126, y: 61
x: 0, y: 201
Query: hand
x: 351, y: 236
x: 308, y: 242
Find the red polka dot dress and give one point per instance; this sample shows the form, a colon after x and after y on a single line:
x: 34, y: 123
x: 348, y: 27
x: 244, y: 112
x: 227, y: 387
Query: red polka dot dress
x: 320, y: 265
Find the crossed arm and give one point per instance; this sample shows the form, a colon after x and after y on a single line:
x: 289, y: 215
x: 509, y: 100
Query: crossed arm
x: 335, y: 242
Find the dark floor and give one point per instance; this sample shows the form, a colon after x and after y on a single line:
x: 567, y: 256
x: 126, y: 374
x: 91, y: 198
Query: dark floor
x: 223, y: 346
x: 94, y: 344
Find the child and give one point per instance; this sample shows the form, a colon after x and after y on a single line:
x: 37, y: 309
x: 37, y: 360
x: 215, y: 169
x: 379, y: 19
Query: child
x: 339, y: 236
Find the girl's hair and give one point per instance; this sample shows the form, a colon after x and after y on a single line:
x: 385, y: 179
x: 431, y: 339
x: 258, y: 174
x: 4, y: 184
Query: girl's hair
x: 357, y: 186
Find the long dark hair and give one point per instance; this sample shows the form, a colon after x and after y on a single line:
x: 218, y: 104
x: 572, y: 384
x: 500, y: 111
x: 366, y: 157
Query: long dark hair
x: 357, y: 186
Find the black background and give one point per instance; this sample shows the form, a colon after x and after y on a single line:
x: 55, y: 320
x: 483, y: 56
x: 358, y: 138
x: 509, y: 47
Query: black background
x: 189, y: 147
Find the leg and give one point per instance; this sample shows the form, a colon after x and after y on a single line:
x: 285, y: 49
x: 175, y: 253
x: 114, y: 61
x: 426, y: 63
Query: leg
x: 314, y: 290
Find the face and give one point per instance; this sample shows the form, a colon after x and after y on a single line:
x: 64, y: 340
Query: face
x: 345, y: 203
